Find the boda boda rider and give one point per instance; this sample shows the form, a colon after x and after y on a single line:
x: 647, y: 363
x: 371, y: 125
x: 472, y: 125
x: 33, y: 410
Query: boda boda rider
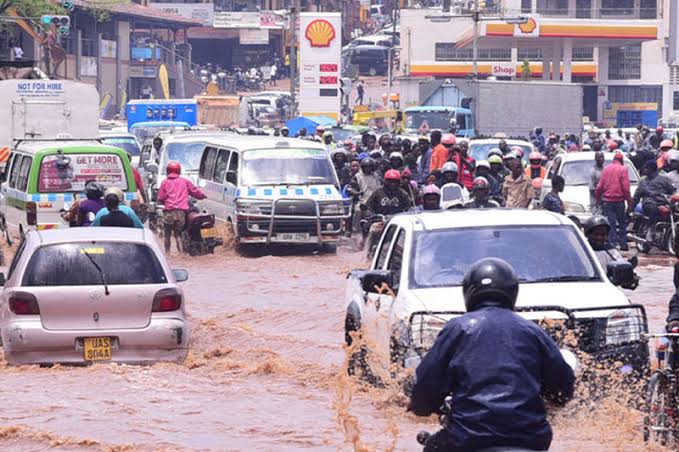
x: 496, y: 366
x: 136, y: 222
x: 596, y: 230
x: 481, y: 195
x: 390, y: 199
x: 431, y: 198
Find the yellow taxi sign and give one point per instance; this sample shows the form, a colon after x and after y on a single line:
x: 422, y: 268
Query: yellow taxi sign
x: 92, y: 250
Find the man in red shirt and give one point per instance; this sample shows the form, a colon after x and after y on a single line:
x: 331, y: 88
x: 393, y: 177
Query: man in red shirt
x: 613, y: 190
x: 466, y: 165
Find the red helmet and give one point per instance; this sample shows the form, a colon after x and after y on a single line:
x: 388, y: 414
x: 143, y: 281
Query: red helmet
x: 174, y: 167
x: 392, y: 174
x: 518, y: 150
x: 666, y: 144
x: 480, y: 183
x: 659, y: 130
x: 448, y: 138
x: 535, y: 155
x: 406, y: 172
x: 619, y: 156
x: 612, y: 145
x: 537, y: 183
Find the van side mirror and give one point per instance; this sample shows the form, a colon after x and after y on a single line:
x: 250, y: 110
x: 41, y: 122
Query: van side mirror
x: 2, y: 279
x: 620, y: 273
x: 180, y: 275
x: 232, y: 177
x: 372, y: 280
x: 151, y: 167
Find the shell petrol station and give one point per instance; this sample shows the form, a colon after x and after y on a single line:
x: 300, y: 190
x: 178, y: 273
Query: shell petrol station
x: 620, y: 62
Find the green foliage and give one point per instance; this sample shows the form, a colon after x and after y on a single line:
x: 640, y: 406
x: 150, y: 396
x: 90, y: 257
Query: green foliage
x: 525, y: 70
x: 31, y: 8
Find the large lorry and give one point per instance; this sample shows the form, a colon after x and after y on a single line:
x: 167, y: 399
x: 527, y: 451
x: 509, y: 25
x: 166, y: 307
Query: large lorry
x: 512, y: 107
x: 161, y: 110
x: 221, y: 111
x: 46, y: 109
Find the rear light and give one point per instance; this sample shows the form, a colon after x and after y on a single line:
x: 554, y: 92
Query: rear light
x: 21, y: 303
x: 31, y: 213
x: 167, y: 300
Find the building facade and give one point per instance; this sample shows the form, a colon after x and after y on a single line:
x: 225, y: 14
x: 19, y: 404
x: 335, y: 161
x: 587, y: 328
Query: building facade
x: 618, y: 49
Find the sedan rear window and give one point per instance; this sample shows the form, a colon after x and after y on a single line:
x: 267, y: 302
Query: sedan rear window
x: 75, y: 264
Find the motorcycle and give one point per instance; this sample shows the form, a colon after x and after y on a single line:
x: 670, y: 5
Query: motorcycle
x: 446, y: 408
x: 199, y: 236
x: 662, y: 234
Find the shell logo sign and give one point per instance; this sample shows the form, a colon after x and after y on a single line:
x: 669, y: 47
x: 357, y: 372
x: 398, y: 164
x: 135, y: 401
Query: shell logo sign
x: 529, y: 29
x: 320, y: 33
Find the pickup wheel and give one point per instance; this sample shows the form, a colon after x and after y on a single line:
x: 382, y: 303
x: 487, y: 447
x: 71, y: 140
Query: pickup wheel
x: 329, y: 248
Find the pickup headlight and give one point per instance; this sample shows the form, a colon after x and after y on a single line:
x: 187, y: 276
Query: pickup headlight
x: 424, y: 330
x: 333, y: 209
x: 252, y: 207
x: 574, y: 207
x: 624, y: 326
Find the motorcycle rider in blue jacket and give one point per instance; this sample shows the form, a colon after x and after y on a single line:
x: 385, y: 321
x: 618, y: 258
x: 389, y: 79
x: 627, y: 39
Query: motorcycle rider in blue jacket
x: 496, y: 366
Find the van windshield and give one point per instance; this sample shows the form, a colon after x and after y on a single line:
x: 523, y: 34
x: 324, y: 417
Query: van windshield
x: 70, y: 172
x: 187, y: 154
x: 428, y: 120
x: 287, y: 167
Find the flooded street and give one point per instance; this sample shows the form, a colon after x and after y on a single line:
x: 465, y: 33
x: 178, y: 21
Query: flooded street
x: 265, y: 372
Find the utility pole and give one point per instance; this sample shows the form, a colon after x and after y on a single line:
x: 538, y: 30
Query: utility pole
x: 475, y: 44
x: 390, y: 59
x: 294, y: 14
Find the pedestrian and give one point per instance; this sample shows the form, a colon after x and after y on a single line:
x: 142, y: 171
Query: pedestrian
x: 429, y: 145
x: 517, y: 189
x: 115, y: 217
x: 18, y: 52
x: 360, y: 92
x: 466, y: 165
x: 612, y: 191
x: 552, y: 200
x: 174, y: 194
x: 274, y: 74
x: 594, y: 178
x: 441, y: 153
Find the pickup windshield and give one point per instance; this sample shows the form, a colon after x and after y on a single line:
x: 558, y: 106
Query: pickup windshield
x: 537, y: 253
x: 428, y: 120
x: 70, y: 172
x: 187, y: 154
x: 287, y: 167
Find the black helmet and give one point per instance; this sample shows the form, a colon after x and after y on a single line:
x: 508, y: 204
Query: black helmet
x: 490, y: 280
x: 368, y: 162
x: 94, y: 190
x: 594, y: 222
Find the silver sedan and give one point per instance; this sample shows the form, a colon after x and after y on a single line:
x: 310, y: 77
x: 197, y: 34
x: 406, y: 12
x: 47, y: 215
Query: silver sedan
x: 92, y: 294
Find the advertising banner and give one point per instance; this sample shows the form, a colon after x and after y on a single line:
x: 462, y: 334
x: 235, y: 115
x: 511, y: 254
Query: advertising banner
x: 320, y: 47
x: 203, y: 12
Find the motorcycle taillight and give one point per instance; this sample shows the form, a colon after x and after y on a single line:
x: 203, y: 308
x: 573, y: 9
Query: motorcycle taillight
x: 664, y: 211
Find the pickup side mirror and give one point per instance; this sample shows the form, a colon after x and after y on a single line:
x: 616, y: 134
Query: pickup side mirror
x: 374, y: 279
x: 620, y: 273
x: 232, y: 177
x: 180, y: 274
x: 151, y: 167
x: 2, y: 279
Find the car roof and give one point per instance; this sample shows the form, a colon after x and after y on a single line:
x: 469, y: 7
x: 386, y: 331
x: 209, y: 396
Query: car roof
x: 38, y: 145
x: 369, y: 47
x: 509, y: 141
x: 247, y: 142
x: 451, y: 219
x: 110, y: 134
x: 90, y: 234
x: 193, y: 136
x: 587, y: 155
x: 433, y: 108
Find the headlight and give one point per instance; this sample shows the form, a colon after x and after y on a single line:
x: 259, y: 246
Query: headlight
x: 332, y: 209
x: 251, y: 207
x: 424, y: 330
x: 574, y: 207
x: 624, y: 326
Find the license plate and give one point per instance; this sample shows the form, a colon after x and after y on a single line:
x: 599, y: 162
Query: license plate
x: 294, y: 236
x: 208, y: 233
x: 97, y: 348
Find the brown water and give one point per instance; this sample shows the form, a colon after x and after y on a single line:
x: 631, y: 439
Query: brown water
x: 265, y: 372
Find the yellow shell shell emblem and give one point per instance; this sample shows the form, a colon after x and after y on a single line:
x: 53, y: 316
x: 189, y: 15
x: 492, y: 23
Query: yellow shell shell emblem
x: 320, y: 33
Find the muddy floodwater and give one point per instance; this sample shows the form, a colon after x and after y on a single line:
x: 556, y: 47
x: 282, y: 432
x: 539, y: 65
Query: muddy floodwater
x: 265, y: 372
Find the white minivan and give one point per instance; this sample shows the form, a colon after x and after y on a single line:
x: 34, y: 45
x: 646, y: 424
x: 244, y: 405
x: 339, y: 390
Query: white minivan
x: 273, y: 190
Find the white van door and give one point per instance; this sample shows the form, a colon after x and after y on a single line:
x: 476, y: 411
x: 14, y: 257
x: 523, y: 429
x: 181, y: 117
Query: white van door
x: 230, y: 187
x: 217, y: 187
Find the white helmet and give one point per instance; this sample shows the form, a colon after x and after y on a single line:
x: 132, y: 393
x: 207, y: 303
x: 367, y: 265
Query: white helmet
x: 449, y: 167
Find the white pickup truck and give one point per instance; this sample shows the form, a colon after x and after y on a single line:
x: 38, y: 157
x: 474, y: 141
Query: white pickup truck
x: 423, y: 258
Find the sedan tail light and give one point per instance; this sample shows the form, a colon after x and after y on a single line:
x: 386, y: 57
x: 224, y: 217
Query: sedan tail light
x: 31, y: 213
x: 21, y: 303
x: 167, y: 300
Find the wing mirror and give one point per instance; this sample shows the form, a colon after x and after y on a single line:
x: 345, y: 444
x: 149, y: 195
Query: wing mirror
x: 2, y: 279
x: 372, y: 280
x: 620, y: 273
x: 180, y: 275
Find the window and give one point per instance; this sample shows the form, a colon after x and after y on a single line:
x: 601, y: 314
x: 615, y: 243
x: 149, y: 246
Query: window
x: 461, y: 120
x: 8, y: 166
x: 14, y: 174
x: 68, y: 264
x: 583, y: 9
x: 675, y: 100
x: 583, y: 54
x: 396, y: 259
x: 648, y: 9
x: 446, y: 51
x: 15, y: 259
x: 385, y: 247
x: 232, y: 174
x: 22, y: 180
x: 624, y: 63
x: 617, y: 7
x: 628, y: 94
x: 526, y: 6
x: 207, y: 163
x: 552, y: 7
x: 220, y: 166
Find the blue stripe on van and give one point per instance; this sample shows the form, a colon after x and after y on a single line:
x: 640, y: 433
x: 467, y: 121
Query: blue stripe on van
x: 314, y: 191
x: 237, y: 192
x: 35, y: 198
x: 268, y: 192
x: 283, y: 192
x: 252, y: 192
x: 299, y: 192
x: 68, y: 197
x: 52, y: 197
x: 328, y: 191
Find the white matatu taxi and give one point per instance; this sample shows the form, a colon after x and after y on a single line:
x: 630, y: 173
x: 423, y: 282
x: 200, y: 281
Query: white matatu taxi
x: 424, y: 257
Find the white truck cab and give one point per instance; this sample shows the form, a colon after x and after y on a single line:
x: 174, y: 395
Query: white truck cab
x: 423, y: 258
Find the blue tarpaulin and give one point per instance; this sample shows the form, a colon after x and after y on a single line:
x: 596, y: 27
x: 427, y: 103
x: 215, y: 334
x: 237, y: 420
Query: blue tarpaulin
x: 310, y: 123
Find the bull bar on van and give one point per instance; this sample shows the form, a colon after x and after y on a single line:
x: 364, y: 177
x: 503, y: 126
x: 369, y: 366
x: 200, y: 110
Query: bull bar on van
x: 259, y: 220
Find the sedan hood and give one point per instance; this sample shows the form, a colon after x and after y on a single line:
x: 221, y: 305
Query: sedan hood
x: 570, y: 295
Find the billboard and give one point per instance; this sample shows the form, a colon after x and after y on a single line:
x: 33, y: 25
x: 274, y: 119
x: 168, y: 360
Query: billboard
x: 320, y: 56
x: 199, y: 11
